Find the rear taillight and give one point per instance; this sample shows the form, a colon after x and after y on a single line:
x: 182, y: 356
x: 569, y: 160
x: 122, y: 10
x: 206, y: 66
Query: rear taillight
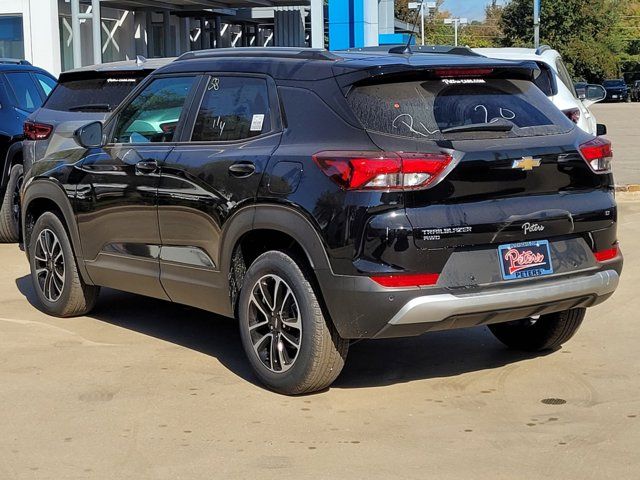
x: 365, y: 170
x: 410, y: 280
x: 608, y: 254
x: 572, y: 114
x: 598, y: 154
x: 37, y: 131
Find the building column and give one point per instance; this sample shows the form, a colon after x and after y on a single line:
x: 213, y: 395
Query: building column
x: 166, y: 34
x: 317, y: 23
x: 353, y: 23
x: 140, y: 26
x: 42, y: 47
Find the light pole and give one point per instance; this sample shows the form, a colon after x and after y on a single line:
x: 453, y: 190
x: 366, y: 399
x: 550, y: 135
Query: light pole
x: 536, y: 23
x: 456, y: 23
x: 422, y: 5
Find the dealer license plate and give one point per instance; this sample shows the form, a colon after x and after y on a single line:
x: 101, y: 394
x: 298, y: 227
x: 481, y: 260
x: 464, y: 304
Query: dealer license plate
x: 525, y: 260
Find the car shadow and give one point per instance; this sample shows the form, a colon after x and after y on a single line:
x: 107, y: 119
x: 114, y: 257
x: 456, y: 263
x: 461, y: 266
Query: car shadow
x: 370, y: 363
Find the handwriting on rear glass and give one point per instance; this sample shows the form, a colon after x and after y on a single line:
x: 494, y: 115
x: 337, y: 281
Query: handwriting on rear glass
x: 407, y: 120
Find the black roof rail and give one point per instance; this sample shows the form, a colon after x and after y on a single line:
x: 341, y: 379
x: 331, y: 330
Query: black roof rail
x: 14, y: 61
x: 267, y: 52
x: 542, y: 48
x: 402, y: 49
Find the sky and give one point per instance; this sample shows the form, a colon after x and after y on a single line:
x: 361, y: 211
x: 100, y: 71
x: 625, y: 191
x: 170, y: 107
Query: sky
x: 471, y: 9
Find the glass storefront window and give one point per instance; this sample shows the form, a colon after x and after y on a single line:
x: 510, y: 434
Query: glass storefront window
x: 11, y: 37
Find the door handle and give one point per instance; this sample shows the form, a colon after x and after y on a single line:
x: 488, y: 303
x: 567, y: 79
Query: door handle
x: 146, y: 166
x: 243, y: 169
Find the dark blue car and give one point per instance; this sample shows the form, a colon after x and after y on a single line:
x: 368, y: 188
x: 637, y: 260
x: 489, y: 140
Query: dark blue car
x: 617, y: 90
x: 23, y: 89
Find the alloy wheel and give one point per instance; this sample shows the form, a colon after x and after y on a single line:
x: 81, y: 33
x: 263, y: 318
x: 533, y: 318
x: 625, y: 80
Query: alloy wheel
x: 275, y: 323
x: 49, y: 265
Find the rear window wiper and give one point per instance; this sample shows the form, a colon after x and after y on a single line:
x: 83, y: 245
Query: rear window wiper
x: 101, y: 107
x: 499, y: 126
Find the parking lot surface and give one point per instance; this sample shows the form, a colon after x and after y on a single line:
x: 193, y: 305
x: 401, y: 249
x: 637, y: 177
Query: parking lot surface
x: 623, y: 124
x: 143, y: 389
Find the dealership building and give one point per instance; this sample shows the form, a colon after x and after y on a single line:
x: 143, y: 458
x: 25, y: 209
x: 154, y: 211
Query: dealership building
x: 59, y: 35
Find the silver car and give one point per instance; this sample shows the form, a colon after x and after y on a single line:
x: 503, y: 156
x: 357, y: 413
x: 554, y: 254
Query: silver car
x: 82, y: 95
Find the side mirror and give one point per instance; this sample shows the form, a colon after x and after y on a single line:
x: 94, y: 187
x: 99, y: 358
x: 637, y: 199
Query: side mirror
x: 601, y: 129
x: 594, y: 94
x: 89, y: 135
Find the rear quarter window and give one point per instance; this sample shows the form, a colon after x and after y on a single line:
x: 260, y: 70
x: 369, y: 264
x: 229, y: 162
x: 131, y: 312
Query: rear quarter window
x: 93, y: 94
x: 423, y: 109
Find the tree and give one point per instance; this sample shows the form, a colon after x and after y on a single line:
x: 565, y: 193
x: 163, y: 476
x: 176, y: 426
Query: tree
x: 587, y: 33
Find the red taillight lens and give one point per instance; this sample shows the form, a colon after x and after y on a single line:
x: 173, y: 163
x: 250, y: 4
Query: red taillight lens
x: 411, y: 280
x: 573, y: 114
x: 598, y: 154
x: 608, y: 254
x: 382, y: 170
x: 37, y: 131
x: 463, y: 72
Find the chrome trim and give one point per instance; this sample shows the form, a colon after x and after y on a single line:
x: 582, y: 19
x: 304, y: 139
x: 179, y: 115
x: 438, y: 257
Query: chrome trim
x: 439, y: 307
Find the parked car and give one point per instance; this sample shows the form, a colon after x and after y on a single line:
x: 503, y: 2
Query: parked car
x: 555, y: 81
x: 325, y: 197
x: 617, y: 90
x: 23, y: 88
x: 634, y: 92
x: 82, y: 95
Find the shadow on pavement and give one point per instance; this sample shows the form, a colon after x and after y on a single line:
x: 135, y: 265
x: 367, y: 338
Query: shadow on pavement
x: 370, y: 363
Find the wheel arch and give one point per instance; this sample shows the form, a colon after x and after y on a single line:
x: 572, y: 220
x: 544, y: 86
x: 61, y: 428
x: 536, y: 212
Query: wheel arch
x: 42, y: 196
x: 276, y: 227
x: 13, y: 157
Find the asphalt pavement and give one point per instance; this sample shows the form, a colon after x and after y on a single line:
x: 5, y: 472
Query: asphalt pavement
x: 623, y: 125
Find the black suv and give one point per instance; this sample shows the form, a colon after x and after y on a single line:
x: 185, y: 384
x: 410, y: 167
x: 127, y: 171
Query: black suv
x: 23, y: 88
x: 323, y: 197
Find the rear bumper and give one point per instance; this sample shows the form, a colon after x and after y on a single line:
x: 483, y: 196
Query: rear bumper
x: 447, y: 310
x: 360, y: 308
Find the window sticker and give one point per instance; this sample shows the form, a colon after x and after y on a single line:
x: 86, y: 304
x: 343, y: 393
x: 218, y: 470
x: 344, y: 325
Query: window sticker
x: 256, y: 122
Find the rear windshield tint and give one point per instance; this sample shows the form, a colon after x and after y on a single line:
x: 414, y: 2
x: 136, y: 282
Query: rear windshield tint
x: 423, y: 109
x: 97, y: 94
x: 545, y: 81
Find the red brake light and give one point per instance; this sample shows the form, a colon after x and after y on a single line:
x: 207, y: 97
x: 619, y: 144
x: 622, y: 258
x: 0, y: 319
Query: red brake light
x: 371, y: 170
x: 608, y: 254
x: 573, y: 114
x: 463, y: 72
x: 598, y: 154
x: 37, y: 131
x: 411, y: 280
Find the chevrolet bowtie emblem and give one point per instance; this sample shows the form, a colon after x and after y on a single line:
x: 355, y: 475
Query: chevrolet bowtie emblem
x: 526, y: 163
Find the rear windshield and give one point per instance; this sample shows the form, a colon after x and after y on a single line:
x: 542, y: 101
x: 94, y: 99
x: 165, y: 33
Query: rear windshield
x: 431, y: 109
x: 96, y: 94
x: 545, y: 80
x: 613, y: 83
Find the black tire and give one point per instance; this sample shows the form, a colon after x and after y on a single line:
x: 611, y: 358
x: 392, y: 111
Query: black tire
x: 548, y: 332
x: 75, y: 297
x: 10, y: 210
x: 322, y: 352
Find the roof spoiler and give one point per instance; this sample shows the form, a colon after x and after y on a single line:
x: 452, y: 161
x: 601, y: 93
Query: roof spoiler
x: 413, y: 49
x: 527, y: 70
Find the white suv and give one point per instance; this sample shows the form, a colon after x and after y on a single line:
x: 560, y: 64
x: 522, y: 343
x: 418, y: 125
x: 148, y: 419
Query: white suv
x: 555, y: 82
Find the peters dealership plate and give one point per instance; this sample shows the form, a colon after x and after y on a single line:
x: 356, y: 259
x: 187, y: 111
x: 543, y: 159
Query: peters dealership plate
x: 525, y: 260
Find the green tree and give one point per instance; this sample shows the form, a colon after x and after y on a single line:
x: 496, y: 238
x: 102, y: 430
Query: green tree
x: 588, y: 33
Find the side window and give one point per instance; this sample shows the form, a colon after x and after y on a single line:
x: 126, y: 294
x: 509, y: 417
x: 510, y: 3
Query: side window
x: 47, y: 83
x: 153, y: 115
x: 25, y: 91
x: 563, y: 73
x: 233, y: 108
